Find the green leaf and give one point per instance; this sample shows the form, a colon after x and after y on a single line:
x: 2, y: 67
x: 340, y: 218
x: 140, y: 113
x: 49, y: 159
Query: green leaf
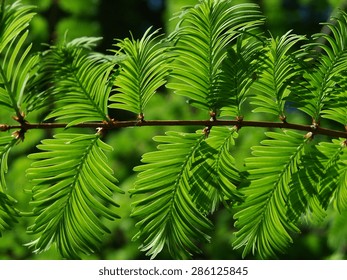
x: 333, y: 184
x: 320, y: 182
x: 324, y: 79
x: 278, y: 71
x: 14, y: 20
x: 261, y: 220
x: 214, y: 176
x: 8, y: 212
x: 82, y: 81
x: 6, y: 143
x: 167, y: 214
x: 142, y: 73
x: 202, y: 40
x: 16, y: 66
x: 304, y: 202
x: 240, y: 70
x: 73, y: 191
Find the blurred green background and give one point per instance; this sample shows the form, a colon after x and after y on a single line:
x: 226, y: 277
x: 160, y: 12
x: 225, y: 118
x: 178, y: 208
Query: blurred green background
x: 66, y: 19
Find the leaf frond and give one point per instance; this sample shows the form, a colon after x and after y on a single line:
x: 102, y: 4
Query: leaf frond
x: 168, y: 216
x: 278, y: 71
x: 143, y: 71
x: 205, y: 34
x: 333, y: 185
x: 215, y: 178
x: 73, y: 191
x: 8, y: 213
x: 240, y: 70
x: 324, y: 84
x: 261, y: 220
x: 6, y: 143
x: 16, y: 65
x: 15, y: 19
x: 304, y: 202
x: 81, y: 81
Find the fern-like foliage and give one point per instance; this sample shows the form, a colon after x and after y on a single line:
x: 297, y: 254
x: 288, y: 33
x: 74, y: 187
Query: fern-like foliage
x: 314, y: 189
x: 338, y: 45
x: 81, y: 81
x: 333, y: 186
x: 16, y: 67
x: 15, y: 64
x: 142, y: 72
x: 262, y: 219
x: 6, y: 143
x: 203, y: 36
x: 216, y: 178
x: 15, y: 19
x: 303, y: 200
x: 168, y: 215
x: 279, y: 69
x: 239, y: 71
x: 73, y: 190
x: 184, y: 180
x: 219, y: 60
x: 8, y: 212
x: 324, y: 86
x: 303, y: 188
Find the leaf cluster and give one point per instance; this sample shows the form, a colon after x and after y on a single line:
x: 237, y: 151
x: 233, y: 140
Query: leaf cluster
x: 222, y: 62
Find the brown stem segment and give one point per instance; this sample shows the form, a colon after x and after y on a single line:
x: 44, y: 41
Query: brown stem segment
x: 135, y: 123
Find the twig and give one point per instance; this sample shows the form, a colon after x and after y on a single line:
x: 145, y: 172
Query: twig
x: 317, y: 130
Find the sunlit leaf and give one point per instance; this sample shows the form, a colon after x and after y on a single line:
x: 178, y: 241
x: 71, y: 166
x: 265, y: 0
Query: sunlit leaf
x: 203, y: 37
x: 72, y: 193
x: 262, y: 222
x: 142, y: 73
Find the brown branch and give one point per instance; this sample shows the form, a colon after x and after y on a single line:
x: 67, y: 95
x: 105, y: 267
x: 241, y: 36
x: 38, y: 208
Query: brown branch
x: 239, y: 123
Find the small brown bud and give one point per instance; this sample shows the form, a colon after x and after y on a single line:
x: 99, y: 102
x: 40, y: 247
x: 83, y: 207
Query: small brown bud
x: 141, y: 117
x: 283, y: 118
x: 3, y: 127
x: 213, y: 116
x: 206, y: 131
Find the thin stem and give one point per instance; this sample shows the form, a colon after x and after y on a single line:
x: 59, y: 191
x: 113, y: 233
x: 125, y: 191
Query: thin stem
x: 316, y: 130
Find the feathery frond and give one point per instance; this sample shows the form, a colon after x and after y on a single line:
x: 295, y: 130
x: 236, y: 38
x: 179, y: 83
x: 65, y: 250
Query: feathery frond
x: 304, y: 202
x: 73, y: 191
x: 214, y: 176
x: 15, y: 19
x: 142, y: 73
x: 8, y: 212
x: 15, y: 64
x: 261, y: 220
x: 337, y: 109
x: 82, y: 81
x: 167, y: 214
x: 320, y: 181
x: 6, y: 143
x: 278, y: 71
x: 333, y: 184
x: 204, y: 35
x: 240, y: 70
x: 217, y: 58
x: 322, y: 89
